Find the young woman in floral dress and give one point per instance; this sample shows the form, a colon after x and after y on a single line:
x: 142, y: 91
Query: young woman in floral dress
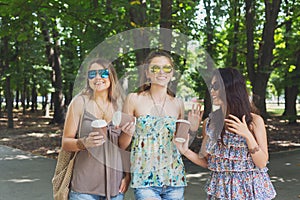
x: 236, y: 151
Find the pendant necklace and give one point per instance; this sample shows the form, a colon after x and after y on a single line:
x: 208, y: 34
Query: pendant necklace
x: 163, y: 105
x: 102, y: 111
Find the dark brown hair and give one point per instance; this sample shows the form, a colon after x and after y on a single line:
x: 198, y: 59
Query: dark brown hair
x: 234, y: 94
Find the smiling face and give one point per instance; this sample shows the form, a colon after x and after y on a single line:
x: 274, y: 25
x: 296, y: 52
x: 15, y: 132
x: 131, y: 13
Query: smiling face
x: 160, y: 70
x: 98, y: 82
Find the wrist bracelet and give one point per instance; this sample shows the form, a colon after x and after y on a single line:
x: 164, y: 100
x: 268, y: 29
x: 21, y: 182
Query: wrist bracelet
x: 254, y: 150
x: 79, y: 144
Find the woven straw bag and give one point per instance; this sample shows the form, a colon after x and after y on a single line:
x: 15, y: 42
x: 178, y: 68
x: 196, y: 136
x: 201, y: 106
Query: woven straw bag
x: 62, y: 176
x: 63, y: 171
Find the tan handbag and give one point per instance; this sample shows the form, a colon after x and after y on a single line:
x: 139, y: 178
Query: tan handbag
x: 63, y: 172
x: 62, y: 176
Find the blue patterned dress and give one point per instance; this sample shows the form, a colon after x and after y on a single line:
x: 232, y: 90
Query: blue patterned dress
x: 155, y: 160
x: 234, y: 175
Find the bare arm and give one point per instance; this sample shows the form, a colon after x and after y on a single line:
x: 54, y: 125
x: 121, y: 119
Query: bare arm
x: 69, y: 143
x: 261, y: 157
x: 198, y: 159
x: 181, y: 108
x: 126, y: 137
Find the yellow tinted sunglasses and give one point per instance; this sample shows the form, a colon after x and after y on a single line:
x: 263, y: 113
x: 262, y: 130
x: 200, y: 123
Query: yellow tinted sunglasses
x: 156, y: 69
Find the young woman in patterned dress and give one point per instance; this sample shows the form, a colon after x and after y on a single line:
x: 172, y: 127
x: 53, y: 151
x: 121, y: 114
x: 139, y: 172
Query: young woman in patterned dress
x: 237, y: 157
x: 157, y: 169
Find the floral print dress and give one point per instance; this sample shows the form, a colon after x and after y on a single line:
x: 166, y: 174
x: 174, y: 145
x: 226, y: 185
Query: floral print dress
x: 234, y: 175
x: 155, y: 160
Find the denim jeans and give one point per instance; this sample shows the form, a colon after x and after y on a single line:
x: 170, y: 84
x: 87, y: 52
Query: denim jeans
x: 82, y: 196
x: 159, y: 193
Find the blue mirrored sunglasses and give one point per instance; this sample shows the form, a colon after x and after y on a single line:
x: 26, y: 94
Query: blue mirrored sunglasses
x: 103, y: 73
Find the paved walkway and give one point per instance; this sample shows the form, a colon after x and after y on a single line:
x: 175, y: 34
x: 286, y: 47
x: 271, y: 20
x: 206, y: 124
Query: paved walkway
x: 28, y: 177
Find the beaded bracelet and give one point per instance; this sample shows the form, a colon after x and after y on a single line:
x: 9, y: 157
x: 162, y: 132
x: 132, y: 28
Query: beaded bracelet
x: 254, y: 150
x: 80, y: 144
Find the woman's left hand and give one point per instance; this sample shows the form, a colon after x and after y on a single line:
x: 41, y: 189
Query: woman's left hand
x: 125, y: 183
x: 235, y: 125
x: 182, y: 147
x: 195, y: 117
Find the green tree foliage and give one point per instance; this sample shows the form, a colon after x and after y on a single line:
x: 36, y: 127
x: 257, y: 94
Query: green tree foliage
x: 229, y: 32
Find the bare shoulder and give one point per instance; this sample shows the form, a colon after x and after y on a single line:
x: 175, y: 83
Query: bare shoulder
x: 176, y: 101
x: 258, y: 122
x: 79, y: 100
x: 257, y: 119
x: 132, y: 97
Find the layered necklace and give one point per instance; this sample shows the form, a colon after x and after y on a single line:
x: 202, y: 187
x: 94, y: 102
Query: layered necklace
x: 159, y: 112
x: 105, y: 111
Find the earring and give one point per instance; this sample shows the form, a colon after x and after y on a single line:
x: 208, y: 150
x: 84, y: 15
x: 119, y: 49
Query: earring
x: 148, y: 82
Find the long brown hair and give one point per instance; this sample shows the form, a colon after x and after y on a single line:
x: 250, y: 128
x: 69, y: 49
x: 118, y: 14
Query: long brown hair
x: 145, y: 84
x: 236, y: 97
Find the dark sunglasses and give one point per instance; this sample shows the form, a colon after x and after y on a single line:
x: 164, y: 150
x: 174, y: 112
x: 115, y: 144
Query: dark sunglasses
x: 156, y: 69
x: 103, y: 73
x: 215, y: 86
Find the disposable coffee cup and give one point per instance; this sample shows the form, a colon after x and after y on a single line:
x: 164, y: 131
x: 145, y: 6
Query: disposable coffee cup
x: 120, y: 119
x: 182, y: 130
x: 100, y: 126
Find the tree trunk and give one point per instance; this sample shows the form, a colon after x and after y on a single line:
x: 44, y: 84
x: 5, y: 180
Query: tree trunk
x: 57, y: 83
x: 265, y: 53
x: 210, y: 50
x: 17, y: 99
x: 250, y: 8
x: 8, y: 93
x: 53, y: 56
x: 23, y: 97
x: 166, y: 22
x: 0, y: 99
x: 291, y: 93
x: 291, y: 90
x: 108, y: 6
x: 28, y: 96
x: 33, y: 98
x: 236, y: 28
x: 259, y: 92
x: 137, y: 13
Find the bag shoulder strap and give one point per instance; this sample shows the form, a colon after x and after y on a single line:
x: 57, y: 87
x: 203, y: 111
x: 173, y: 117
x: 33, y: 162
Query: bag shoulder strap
x: 81, y: 117
x: 80, y: 123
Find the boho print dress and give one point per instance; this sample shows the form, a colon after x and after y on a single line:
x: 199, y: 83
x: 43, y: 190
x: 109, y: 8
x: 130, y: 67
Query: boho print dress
x: 155, y: 160
x: 233, y: 175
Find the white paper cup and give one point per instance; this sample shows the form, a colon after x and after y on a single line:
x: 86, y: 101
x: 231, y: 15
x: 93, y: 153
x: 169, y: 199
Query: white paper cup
x: 100, y: 126
x: 182, y: 130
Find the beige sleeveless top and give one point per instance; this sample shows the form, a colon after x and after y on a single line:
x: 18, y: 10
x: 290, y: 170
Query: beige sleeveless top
x: 98, y: 170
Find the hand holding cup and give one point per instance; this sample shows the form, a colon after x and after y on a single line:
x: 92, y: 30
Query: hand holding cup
x: 182, y: 130
x: 98, y: 136
x: 119, y: 119
x: 125, y: 121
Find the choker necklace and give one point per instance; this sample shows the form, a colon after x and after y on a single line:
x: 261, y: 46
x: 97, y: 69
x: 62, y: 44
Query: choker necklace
x: 163, y: 105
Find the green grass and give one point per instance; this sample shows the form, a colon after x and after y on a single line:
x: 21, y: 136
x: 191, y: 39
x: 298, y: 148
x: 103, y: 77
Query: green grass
x: 275, y: 111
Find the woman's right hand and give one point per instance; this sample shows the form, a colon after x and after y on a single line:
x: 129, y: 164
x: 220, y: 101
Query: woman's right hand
x: 94, y: 139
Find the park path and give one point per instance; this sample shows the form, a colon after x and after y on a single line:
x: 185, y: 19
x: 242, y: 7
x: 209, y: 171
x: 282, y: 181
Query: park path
x: 28, y: 177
